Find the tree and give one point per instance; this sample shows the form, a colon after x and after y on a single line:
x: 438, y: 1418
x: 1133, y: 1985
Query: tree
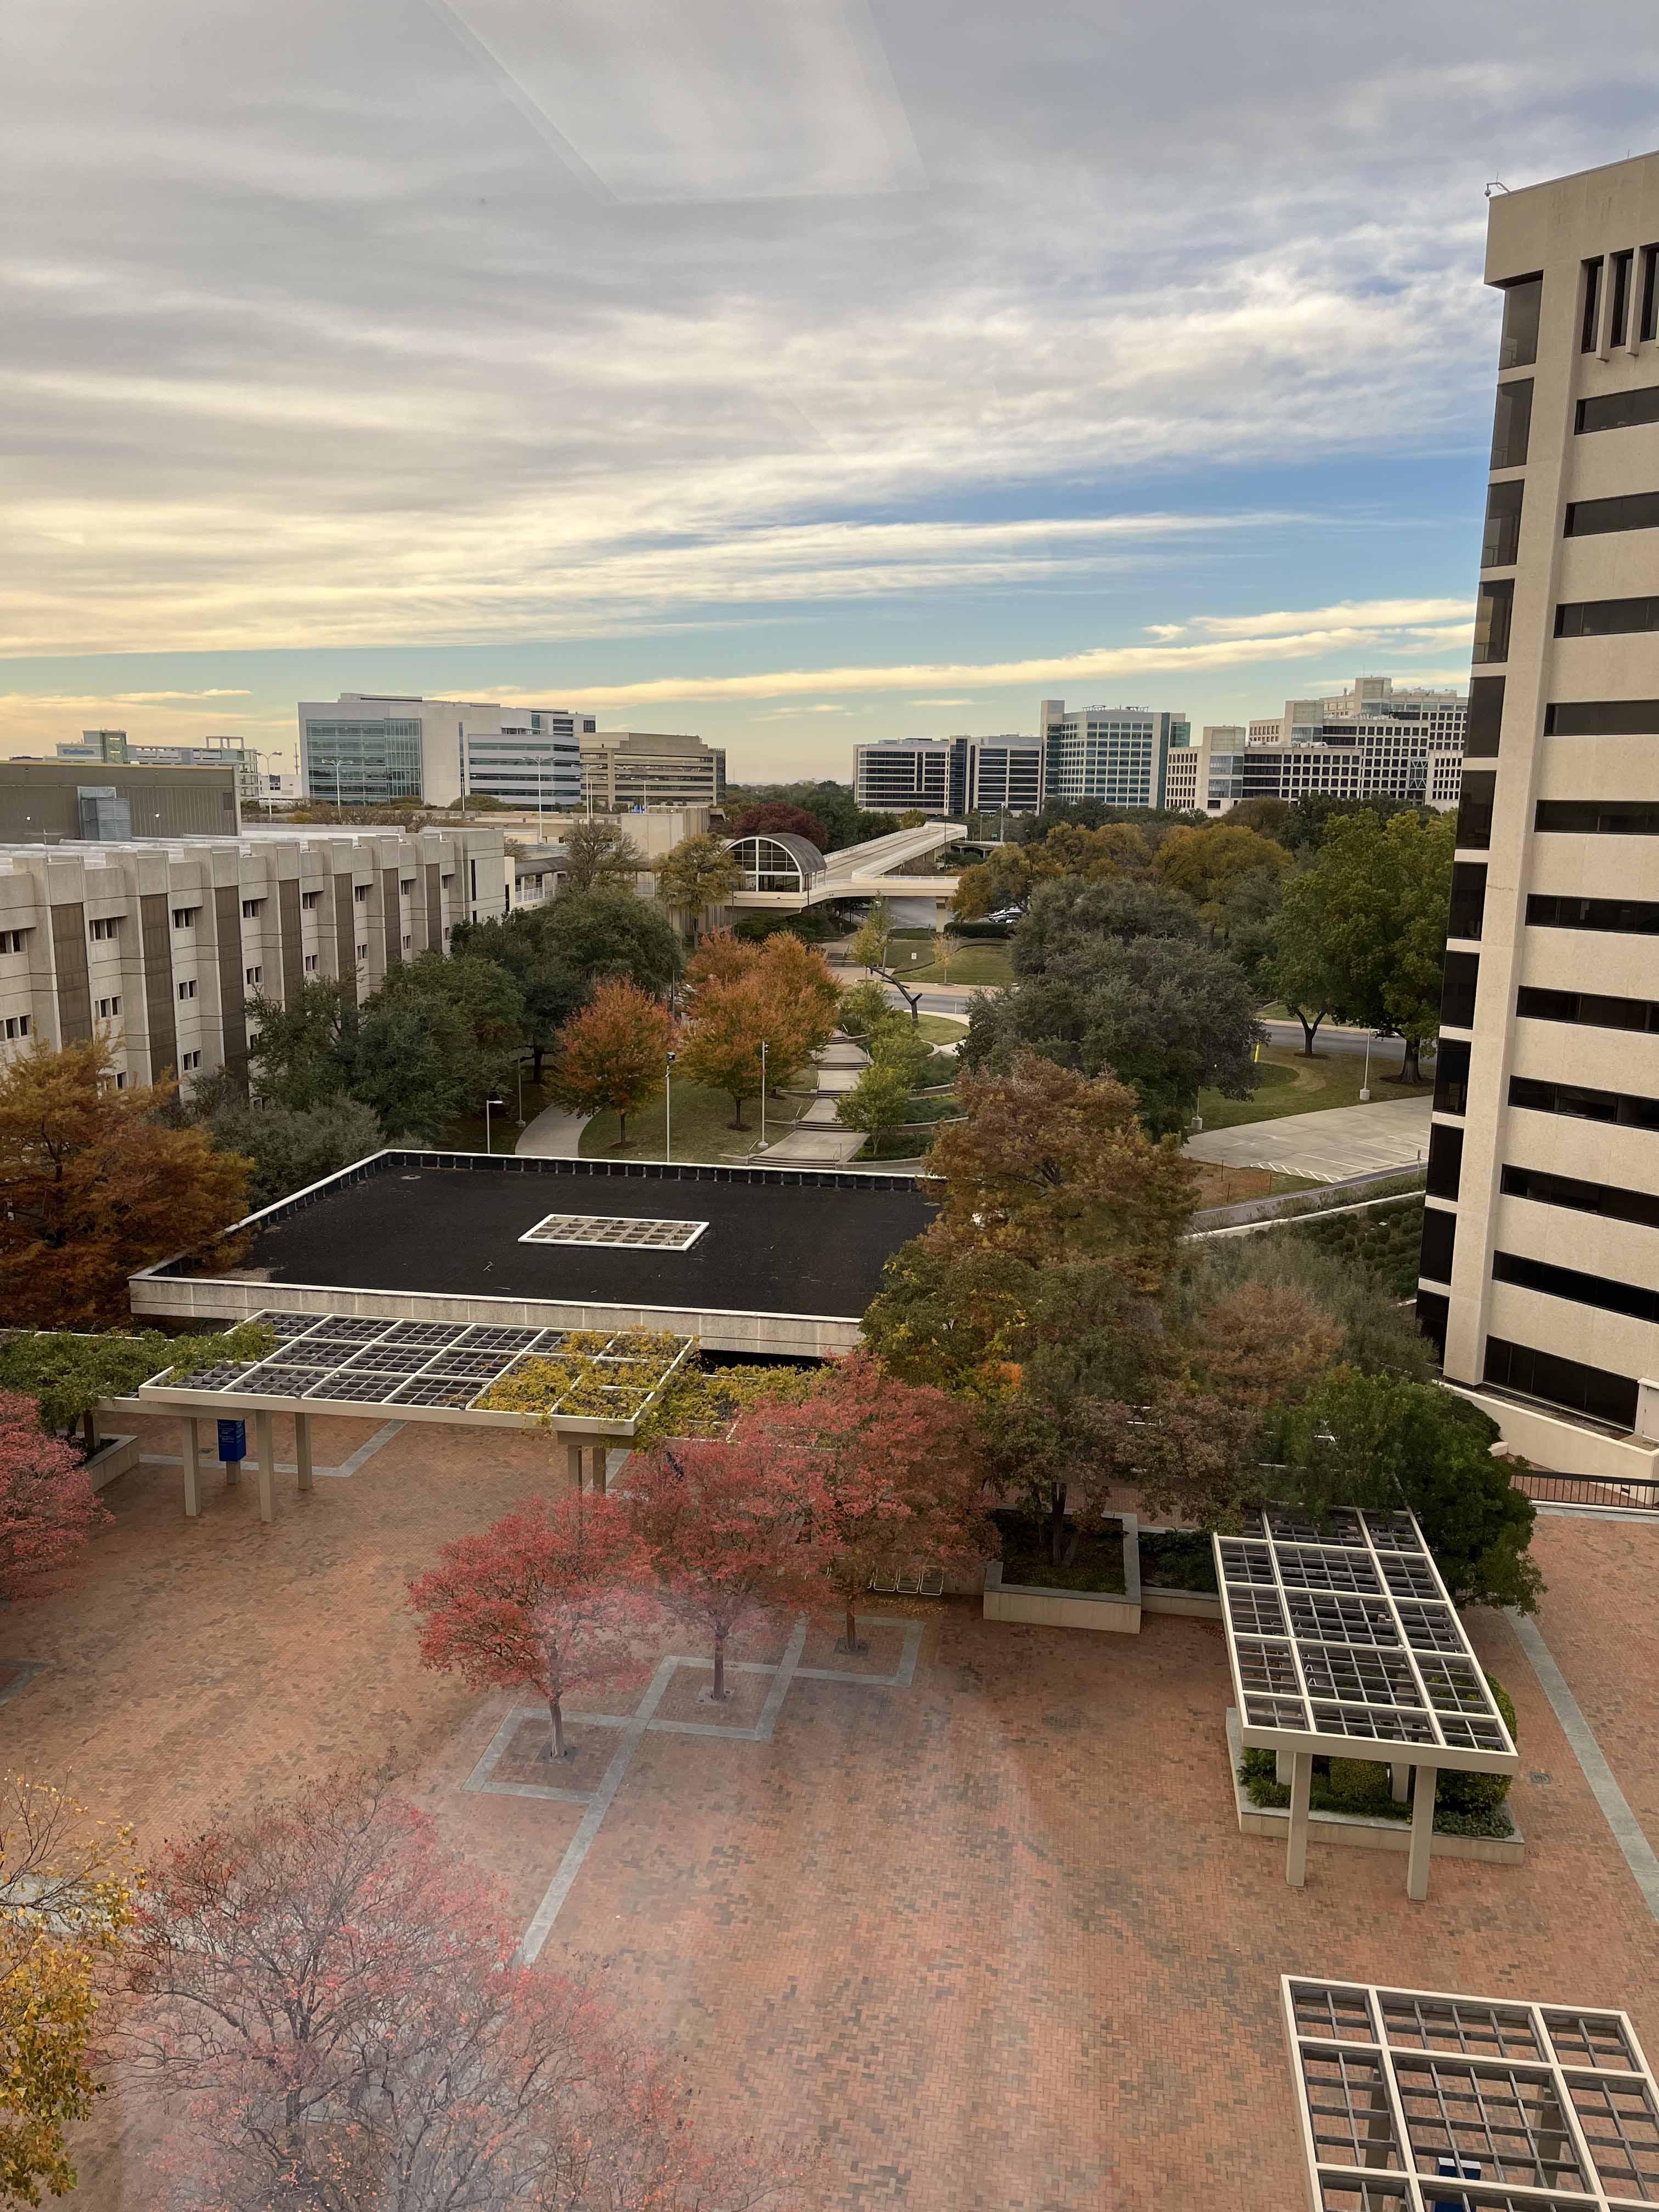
x: 551, y: 985
x: 612, y: 1055
x: 93, y: 1188
x: 1071, y: 915
x: 799, y: 971
x: 1372, y: 1440
x: 610, y: 933
x: 880, y: 1473
x: 66, y: 1899
x: 700, y: 873
x: 1003, y: 879
x: 302, y: 1049
x: 722, y: 1047
x: 601, y: 856
x: 290, y: 1148
x: 878, y: 1101
x: 1362, y: 932
x: 340, y: 2001
x: 724, y: 1534
x: 721, y: 958
x: 776, y: 818
x: 1209, y: 865
x: 545, y: 1600
x: 48, y: 1509
x: 872, y: 948
x: 865, y: 1008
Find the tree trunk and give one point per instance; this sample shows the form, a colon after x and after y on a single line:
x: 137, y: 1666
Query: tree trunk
x: 719, y: 1667
x: 557, y: 1718
x: 852, y: 1625
x: 739, y: 1123
x: 1056, y: 1522
x: 1410, y: 1069
x: 622, y: 1132
x: 1309, y: 1030
x: 536, y: 1052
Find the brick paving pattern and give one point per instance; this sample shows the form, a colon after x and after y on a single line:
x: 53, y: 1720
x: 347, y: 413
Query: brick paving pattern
x: 989, y: 1941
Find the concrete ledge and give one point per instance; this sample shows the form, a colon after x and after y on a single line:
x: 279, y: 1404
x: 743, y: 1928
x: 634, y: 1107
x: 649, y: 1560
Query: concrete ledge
x: 1190, y: 1605
x: 1557, y: 1444
x: 1355, y: 1830
x: 1042, y: 1606
x: 114, y: 1458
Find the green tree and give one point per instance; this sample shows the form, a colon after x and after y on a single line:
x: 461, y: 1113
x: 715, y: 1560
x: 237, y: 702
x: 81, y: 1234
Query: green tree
x: 293, y: 1147
x: 1070, y: 913
x: 613, y: 933
x: 878, y: 1101
x: 865, y: 1008
x: 872, y: 948
x: 601, y: 856
x: 551, y: 985
x: 1210, y: 865
x: 700, y: 873
x: 302, y: 1049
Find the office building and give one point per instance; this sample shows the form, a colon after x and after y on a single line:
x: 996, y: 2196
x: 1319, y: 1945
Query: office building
x: 1371, y: 741
x: 623, y: 769
x: 1115, y: 754
x: 158, y: 944
x: 1540, y: 1268
x: 1204, y: 775
x: 365, y: 750
x: 114, y: 746
x: 957, y: 776
x: 44, y: 802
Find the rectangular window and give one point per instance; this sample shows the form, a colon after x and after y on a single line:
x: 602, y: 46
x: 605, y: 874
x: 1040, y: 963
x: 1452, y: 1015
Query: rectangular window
x: 1451, y: 1077
x: 190, y: 1060
x: 1492, y: 621
x: 1625, y: 1108
x: 1603, y: 718
x: 1474, y: 808
x: 1621, y: 291
x: 360, y: 892
x: 14, y: 941
x: 1462, y: 975
x: 1648, y: 328
x: 1445, y: 1161
x: 17, y: 1025
x: 1511, y: 422
x: 1518, y: 346
x: 1587, y: 1008
x: 120, y: 1081
x: 1590, y: 329
x: 253, y: 975
x: 1566, y: 1383
x: 109, y: 1009
x: 1598, y: 518
x: 1500, y: 546
x: 252, y: 909
x: 1619, y: 410
x: 184, y: 917
x: 408, y: 942
x: 1433, y: 1313
x: 1612, y: 1204
x: 1603, y: 1292
x: 1468, y: 899
x: 1439, y: 1238
x: 1606, y: 617
x: 309, y: 900
x: 1486, y: 717
x: 102, y: 932
x: 1623, y: 917
x: 362, y: 952
x: 1599, y: 818
x: 187, y: 990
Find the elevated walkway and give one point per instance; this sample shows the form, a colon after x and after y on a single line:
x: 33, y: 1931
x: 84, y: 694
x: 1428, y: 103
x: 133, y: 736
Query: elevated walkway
x: 866, y: 872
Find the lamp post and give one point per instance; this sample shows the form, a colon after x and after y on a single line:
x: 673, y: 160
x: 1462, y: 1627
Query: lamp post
x: 1366, y: 1081
x: 519, y: 1068
x: 497, y: 1103
x: 762, y: 1094
x: 668, y: 1110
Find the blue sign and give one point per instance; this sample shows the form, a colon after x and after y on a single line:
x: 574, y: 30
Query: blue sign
x: 233, y: 1441
x: 1456, y: 2169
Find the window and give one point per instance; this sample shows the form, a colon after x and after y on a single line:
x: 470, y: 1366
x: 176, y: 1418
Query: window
x: 102, y: 932
x: 408, y: 941
x: 1511, y: 423
x: 1612, y: 1204
x: 109, y: 1009
x: 360, y: 892
x: 1619, y: 315
x: 253, y: 975
x: 187, y: 990
x: 1468, y: 899
x: 1603, y: 718
x: 1433, y: 1312
x: 120, y: 1080
x: 311, y: 963
x: 1439, y: 1237
x: 405, y: 884
x: 184, y: 917
x: 1624, y: 917
x: 1596, y: 518
x: 1590, y: 330
x: 1445, y: 1163
x: 189, y: 1061
x: 362, y: 952
x: 1462, y: 975
x: 253, y: 908
x: 1492, y: 621
x: 1557, y: 1382
x: 1451, y: 1077
x: 1474, y: 808
x: 1626, y: 1110
x: 1606, y: 617
x: 309, y: 901
x: 1518, y: 346
x: 1619, y: 410
x: 1485, y: 716
x: 1599, y: 818
x: 1603, y: 1292
x: 1648, y: 327
x: 17, y: 1025
x: 1588, y: 1008
x: 1500, y: 546
x: 14, y: 941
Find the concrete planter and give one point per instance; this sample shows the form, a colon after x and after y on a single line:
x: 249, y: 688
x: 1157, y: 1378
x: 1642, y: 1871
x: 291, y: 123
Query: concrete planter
x: 115, y: 1456
x: 1355, y: 1831
x: 1044, y: 1607
x: 1189, y: 1605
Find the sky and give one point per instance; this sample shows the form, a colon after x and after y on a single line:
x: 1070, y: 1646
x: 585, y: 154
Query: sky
x: 798, y: 371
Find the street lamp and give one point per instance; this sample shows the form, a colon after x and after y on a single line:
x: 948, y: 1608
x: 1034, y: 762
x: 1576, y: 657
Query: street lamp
x: 668, y: 1111
x: 762, y: 1094
x: 518, y: 1068
x: 1365, y: 1083
x: 497, y: 1103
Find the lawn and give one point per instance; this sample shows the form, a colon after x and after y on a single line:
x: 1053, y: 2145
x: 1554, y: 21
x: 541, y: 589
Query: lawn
x: 466, y: 1134
x: 974, y: 963
x: 1289, y: 1083
x: 702, y: 1128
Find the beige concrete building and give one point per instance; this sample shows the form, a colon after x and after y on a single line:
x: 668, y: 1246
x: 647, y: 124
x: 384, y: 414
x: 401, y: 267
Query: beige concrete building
x: 157, y: 944
x: 625, y: 769
x: 1540, y: 1252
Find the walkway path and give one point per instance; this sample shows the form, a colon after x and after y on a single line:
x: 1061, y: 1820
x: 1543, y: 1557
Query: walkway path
x: 553, y: 1135
x: 817, y: 1140
x: 1345, y: 1140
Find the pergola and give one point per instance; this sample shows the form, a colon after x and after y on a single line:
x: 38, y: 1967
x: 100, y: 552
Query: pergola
x: 1344, y: 1644
x: 1414, y: 2100
x: 362, y: 1367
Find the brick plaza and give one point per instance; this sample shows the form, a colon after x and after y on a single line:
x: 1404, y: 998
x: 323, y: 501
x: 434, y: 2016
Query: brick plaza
x: 983, y: 1937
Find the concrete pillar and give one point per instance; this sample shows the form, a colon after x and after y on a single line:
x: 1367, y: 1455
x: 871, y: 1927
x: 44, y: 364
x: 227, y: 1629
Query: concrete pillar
x: 265, y: 1445
x: 1416, y: 1866
x: 1296, y: 1854
x: 1282, y: 1765
x: 192, y: 1470
x: 601, y: 1469
x: 302, y: 1447
x: 1400, y: 1782
x: 573, y: 1467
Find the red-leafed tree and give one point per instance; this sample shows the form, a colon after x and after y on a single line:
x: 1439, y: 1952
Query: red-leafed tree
x: 549, y: 1599
x: 883, y: 1473
x: 340, y: 2001
x: 611, y: 1056
x: 48, y: 1508
x: 775, y: 818
x: 726, y: 1534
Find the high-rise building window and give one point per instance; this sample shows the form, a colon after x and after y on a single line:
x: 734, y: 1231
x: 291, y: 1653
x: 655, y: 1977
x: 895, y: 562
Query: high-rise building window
x: 1599, y: 518
x: 1617, y: 410
x: 1511, y: 422
x: 1619, y: 310
x: 1501, y: 545
x: 1468, y: 899
x: 1445, y: 1163
x: 1451, y: 1077
x: 1590, y: 329
x: 1492, y: 621
x: 1606, y: 617
x: 1474, y: 808
x: 1486, y: 717
x: 1518, y: 346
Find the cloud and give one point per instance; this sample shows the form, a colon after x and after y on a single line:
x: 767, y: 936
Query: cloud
x: 963, y: 702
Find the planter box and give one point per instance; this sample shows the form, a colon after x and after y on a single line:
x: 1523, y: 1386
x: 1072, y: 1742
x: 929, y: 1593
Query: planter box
x: 1355, y: 1830
x: 115, y: 1456
x: 1191, y: 1605
x: 1114, y: 1613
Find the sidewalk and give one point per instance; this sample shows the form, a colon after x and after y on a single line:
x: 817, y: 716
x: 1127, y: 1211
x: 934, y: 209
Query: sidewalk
x: 1345, y: 1140
x: 553, y: 1135
x: 817, y: 1140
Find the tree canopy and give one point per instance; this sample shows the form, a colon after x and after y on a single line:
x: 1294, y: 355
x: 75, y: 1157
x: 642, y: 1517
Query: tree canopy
x: 600, y: 856
x: 612, y: 1055
x: 700, y: 873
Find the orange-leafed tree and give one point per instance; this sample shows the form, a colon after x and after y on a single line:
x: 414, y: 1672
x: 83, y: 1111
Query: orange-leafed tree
x: 47, y: 1505
x: 611, y: 1056
x: 92, y: 1188
x: 799, y: 973
x: 720, y: 958
x: 722, y: 1047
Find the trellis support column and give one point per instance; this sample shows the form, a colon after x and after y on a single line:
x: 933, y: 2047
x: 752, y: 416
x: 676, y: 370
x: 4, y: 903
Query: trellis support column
x: 302, y: 1447
x: 1296, y: 1851
x: 1400, y: 1780
x: 1282, y: 1765
x: 193, y: 1469
x: 572, y: 1463
x: 1416, y: 1866
x: 265, y: 1445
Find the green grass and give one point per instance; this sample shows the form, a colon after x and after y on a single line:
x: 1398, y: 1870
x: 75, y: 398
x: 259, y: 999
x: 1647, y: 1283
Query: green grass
x: 972, y: 964
x: 466, y: 1132
x: 702, y: 1128
x: 1289, y: 1083
x: 939, y: 1029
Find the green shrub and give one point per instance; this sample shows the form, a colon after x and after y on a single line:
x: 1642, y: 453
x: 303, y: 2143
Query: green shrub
x: 1356, y: 1784
x: 1459, y: 1794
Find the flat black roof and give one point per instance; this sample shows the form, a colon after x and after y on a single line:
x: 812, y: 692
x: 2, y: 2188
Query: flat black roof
x: 778, y: 1242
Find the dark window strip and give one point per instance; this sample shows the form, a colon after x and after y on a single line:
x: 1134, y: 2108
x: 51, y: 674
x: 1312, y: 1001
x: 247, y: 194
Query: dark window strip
x: 1627, y: 1108
x: 1589, y: 1009
x: 1624, y: 917
x: 1607, y: 1199
x: 1566, y: 1383
x: 1606, y: 617
x: 1598, y: 818
x: 1619, y: 410
x: 1634, y: 1300
x: 1596, y: 518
